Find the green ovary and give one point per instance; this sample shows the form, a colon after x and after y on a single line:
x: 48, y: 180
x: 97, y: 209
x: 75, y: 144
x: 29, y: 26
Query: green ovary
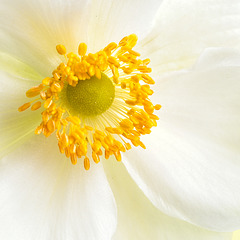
x: 91, y: 97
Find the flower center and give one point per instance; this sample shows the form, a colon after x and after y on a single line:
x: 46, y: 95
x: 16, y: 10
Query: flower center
x: 98, y: 104
x: 91, y: 97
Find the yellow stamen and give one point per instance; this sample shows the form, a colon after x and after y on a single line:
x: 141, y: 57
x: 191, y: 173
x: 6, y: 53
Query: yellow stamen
x: 157, y: 107
x: 36, y: 106
x: 113, y: 79
x: 82, y: 49
x: 34, y: 91
x: 61, y: 49
x: 24, y: 107
x: 73, y: 159
x: 86, y: 163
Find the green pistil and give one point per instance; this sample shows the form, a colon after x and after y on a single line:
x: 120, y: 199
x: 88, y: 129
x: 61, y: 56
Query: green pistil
x: 91, y: 97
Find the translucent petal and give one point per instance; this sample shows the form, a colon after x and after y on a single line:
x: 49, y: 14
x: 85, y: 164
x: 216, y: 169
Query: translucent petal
x: 139, y: 219
x: 236, y: 235
x: 46, y: 197
x: 183, y: 29
x: 33, y: 33
x: 16, y: 78
x: 191, y: 167
x: 112, y: 20
x: 19, y: 69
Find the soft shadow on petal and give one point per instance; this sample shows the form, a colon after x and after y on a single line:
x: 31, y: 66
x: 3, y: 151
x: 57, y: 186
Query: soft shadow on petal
x: 16, y: 78
x: 191, y: 167
x: 44, y: 196
x: 139, y: 219
x: 183, y: 29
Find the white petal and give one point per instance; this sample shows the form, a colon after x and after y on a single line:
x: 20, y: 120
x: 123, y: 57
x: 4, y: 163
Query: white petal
x: 139, y: 219
x: 33, y: 33
x: 43, y: 196
x: 236, y: 235
x: 183, y: 29
x: 19, y: 69
x: 225, y: 57
x: 191, y: 166
x: 16, y: 78
x: 112, y: 20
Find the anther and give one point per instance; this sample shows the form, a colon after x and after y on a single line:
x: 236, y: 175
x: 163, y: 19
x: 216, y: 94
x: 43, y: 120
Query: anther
x: 86, y: 163
x: 34, y: 91
x: 82, y: 49
x: 61, y: 49
x: 24, y: 107
x: 36, y: 106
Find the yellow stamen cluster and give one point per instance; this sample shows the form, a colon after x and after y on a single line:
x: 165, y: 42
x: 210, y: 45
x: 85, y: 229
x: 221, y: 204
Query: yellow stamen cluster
x: 129, y: 75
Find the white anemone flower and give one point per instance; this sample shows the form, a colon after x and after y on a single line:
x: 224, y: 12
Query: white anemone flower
x: 185, y: 184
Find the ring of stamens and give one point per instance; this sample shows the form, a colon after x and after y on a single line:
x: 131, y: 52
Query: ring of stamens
x: 132, y: 112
